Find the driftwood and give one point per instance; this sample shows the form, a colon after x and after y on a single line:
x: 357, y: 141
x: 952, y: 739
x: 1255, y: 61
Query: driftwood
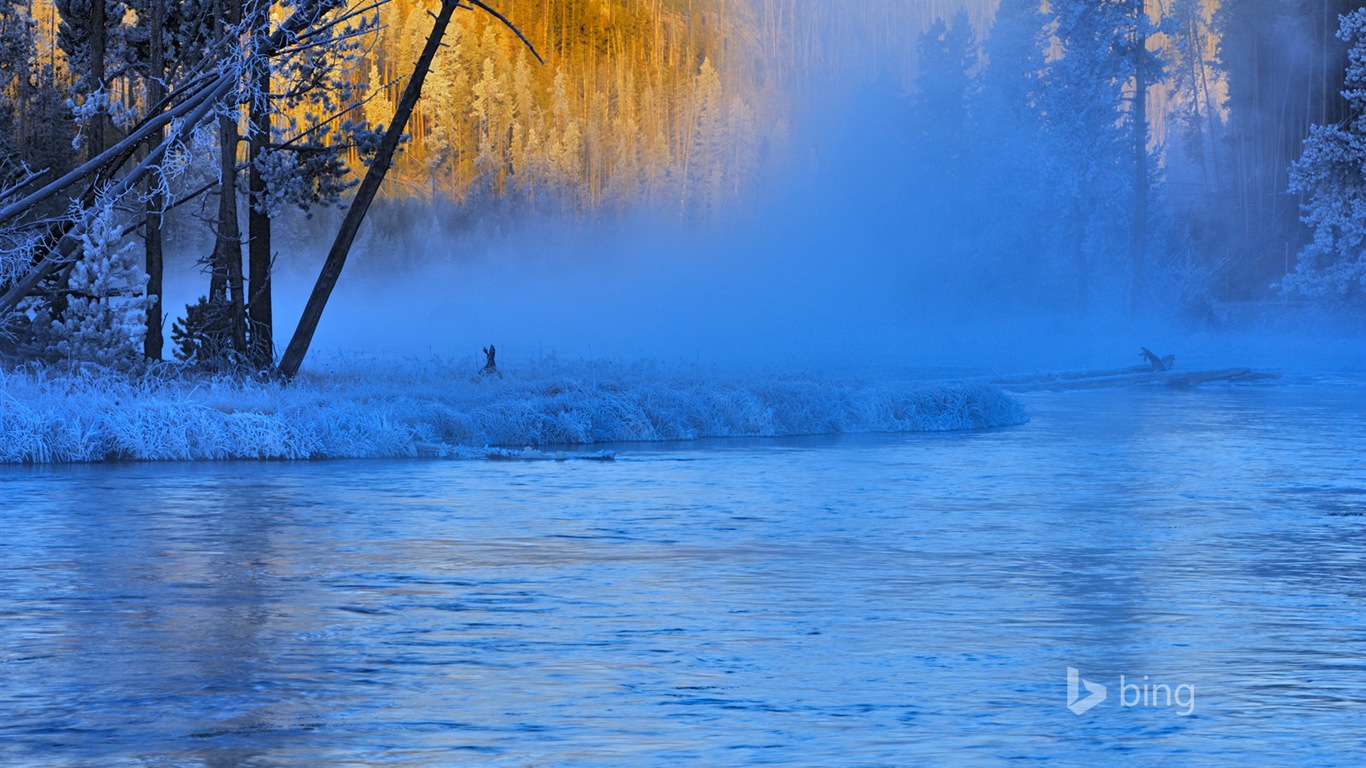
x: 1127, y: 376
x: 1158, y: 363
x: 1157, y: 371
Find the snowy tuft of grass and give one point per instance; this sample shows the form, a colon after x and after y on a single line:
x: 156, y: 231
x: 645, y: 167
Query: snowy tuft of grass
x: 429, y: 408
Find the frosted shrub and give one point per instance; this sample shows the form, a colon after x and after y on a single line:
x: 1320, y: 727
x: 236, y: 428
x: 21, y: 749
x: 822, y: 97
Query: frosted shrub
x: 435, y: 410
x: 106, y: 313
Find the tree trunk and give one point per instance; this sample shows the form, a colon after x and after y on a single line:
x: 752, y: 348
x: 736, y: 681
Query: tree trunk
x: 98, y: 32
x: 156, y: 91
x: 369, y: 187
x: 228, y: 245
x: 226, y: 281
x: 259, y: 309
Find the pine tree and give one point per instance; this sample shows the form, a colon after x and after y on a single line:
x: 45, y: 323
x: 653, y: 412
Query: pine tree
x: 379, y: 108
x: 104, y: 319
x: 1010, y: 184
x: 947, y: 56
x: 166, y: 36
x: 705, y: 164
x: 947, y: 53
x: 91, y: 35
x: 1088, y: 136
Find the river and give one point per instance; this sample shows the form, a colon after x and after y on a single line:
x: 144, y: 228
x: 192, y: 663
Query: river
x: 912, y: 599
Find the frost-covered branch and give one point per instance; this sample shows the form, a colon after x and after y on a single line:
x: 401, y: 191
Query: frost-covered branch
x: 30, y: 252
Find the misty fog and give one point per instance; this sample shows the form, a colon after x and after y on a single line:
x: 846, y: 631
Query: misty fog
x: 825, y: 264
x: 881, y: 231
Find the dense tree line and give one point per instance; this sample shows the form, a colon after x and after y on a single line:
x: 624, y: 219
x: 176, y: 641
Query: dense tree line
x: 247, y: 101
x: 1115, y: 152
x: 1064, y: 172
x: 666, y: 102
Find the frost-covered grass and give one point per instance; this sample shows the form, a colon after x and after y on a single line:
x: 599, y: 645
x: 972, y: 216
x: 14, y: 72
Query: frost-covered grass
x: 437, y: 408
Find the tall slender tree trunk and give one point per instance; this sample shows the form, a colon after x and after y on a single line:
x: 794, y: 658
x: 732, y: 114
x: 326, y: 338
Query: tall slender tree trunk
x: 226, y: 284
x: 156, y: 91
x: 98, y: 33
x: 294, y: 354
x: 259, y: 308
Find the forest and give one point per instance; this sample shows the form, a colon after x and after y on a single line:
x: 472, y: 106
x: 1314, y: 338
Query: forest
x: 1121, y: 155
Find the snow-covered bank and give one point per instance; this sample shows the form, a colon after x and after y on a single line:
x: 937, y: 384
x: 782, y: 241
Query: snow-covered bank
x: 371, y: 410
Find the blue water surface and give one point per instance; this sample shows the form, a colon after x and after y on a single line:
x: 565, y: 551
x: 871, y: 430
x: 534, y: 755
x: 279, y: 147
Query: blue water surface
x: 830, y: 601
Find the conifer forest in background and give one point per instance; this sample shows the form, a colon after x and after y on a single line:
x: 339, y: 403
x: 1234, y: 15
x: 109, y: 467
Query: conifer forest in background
x: 1183, y: 154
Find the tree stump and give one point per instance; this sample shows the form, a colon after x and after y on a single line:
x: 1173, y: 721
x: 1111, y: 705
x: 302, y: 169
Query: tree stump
x: 1159, y: 364
x: 490, y: 364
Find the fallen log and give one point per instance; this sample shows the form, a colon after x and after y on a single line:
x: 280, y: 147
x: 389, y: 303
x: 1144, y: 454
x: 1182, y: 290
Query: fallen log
x: 1065, y: 376
x: 1128, y: 376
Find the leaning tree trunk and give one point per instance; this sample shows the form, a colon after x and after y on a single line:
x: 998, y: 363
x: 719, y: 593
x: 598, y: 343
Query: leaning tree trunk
x: 365, y: 195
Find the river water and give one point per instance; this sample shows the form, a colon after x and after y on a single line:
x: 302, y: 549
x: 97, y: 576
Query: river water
x: 856, y: 600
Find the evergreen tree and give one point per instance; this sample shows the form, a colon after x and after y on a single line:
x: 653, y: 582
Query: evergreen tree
x: 104, y: 318
x: 92, y: 36
x: 704, y: 166
x: 1088, y: 137
x: 1009, y: 180
x: 35, y: 122
x: 948, y: 55
x: 1196, y: 118
x: 167, y: 35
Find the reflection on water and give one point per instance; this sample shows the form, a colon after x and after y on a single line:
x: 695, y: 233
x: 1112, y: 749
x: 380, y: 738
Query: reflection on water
x: 881, y: 600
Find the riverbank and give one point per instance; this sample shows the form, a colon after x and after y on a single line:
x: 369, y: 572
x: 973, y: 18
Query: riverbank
x: 365, y: 409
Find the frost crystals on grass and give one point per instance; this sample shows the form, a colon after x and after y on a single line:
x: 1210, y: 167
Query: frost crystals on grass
x: 371, y: 411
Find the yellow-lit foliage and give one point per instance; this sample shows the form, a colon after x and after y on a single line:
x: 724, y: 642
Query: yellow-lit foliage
x: 659, y: 101
x: 664, y: 102
x: 634, y: 103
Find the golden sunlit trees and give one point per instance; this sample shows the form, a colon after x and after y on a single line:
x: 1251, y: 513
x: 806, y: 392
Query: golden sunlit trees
x: 634, y: 101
